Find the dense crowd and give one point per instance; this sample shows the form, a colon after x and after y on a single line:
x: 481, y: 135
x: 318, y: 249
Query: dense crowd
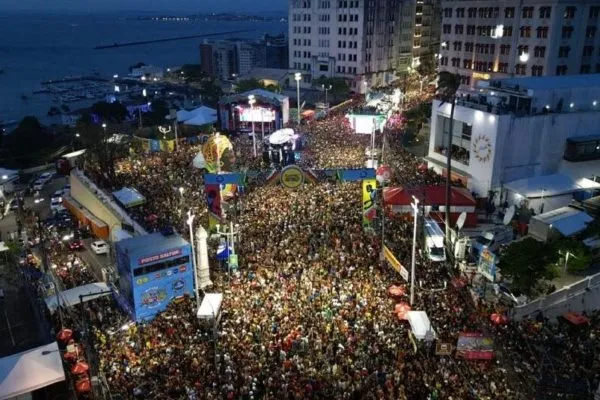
x: 309, y: 315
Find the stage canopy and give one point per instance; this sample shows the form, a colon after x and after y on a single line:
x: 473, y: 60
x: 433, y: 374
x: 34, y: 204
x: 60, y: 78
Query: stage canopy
x: 281, y: 136
x: 211, y: 306
x: 420, y: 325
x: 129, y: 197
x: 261, y: 95
x: 550, y: 185
x: 28, y: 371
x: 70, y: 297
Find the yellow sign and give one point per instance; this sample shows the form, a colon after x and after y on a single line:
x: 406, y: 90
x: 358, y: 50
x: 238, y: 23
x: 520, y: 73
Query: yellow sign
x: 394, y: 263
x: 292, y: 177
x: 479, y: 75
x: 368, y: 208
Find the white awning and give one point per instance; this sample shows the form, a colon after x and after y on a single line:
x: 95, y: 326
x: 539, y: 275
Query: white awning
x: 70, y: 297
x: 30, y: 370
x: 199, y: 116
x: 420, y: 325
x: 211, y: 306
x: 550, y: 185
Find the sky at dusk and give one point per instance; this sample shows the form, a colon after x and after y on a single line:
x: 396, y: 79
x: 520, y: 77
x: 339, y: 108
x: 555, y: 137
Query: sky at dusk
x: 173, y: 6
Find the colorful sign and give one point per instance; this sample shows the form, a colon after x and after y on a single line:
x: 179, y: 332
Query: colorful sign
x: 233, y: 262
x: 475, y: 346
x: 384, y: 174
x: 394, y: 263
x: 292, y: 176
x: 368, y: 204
x: 218, y: 153
x: 351, y: 175
x: 487, y: 264
x: 225, y: 178
x: 158, y: 257
x: 213, y: 198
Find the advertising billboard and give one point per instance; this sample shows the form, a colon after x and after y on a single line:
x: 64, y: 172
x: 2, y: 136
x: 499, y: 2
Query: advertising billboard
x: 157, y: 279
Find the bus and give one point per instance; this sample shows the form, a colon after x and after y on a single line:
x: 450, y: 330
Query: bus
x: 433, y: 240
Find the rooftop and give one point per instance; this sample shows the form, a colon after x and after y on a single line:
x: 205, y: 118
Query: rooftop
x: 551, y: 82
x: 148, y: 245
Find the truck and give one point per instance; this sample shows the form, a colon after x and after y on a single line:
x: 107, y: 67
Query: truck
x: 433, y: 240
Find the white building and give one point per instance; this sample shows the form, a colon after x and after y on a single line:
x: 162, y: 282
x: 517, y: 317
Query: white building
x: 514, y: 129
x: 361, y: 40
x: 487, y: 39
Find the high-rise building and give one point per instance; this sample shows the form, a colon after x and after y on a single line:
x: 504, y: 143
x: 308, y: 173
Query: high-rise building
x: 217, y: 58
x: 484, y: 39
x: 361, y: 40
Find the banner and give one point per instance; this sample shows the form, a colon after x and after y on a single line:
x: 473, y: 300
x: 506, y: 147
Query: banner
x: 224, y: 178
x: 154, y: 146
x: 475, y: 346
x: 356, y: 174
x: 368, y: 202
x: 213, y: 198
x: 487, y: 264
x: 394, y: 263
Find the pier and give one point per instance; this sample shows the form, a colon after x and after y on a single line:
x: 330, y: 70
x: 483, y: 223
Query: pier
x: 128, y: 44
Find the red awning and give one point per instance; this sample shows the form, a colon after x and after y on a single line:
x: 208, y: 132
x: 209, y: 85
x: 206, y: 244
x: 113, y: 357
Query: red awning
x: 429, y: 196
x: 576, y: 318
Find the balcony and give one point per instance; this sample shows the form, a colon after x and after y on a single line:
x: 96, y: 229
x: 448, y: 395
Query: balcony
x: 458, y: 154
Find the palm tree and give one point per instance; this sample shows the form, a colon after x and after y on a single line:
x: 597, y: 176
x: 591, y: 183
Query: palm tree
x: 448, y: 84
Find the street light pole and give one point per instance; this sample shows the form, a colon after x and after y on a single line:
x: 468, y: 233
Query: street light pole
x: 190, y: 222
x: 415, y: 206
x: 298, y: 78
x: 251, y: 101
x: 326, y: 89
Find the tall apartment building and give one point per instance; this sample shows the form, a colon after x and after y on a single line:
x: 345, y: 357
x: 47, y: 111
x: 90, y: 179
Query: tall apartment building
x: 486, y: 39
x: 361, y: 40
x: 419, y: 33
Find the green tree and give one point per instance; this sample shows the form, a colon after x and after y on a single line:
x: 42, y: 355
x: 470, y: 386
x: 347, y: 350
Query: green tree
x: 160, y: 110
x: 448, y: 85
x: 528, y: 262
x: 28, y: 136
x: 100, y: 150
x: 576, y: 255
x: 192, y: 73
x: 211, y: 92
x: 247, y: 85
x: 110, y: 112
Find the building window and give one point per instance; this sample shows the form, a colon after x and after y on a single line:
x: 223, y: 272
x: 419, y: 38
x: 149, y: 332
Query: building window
x: 527, y: 12
x: 542, y: 32
x: 525, y: 31
x: 503, y: 68
x: 509, y: 12
x: 504, y: 49
x: 563, y: 51
x: 507, y: 31
x: 537, y: 70
x: 472, y: 12
x: 545, y: 12
x: 444, y: 61
x: 597, y: 68
x: 448, y: 12
x: 523, y: 49
x: 539, y: 51
x: 470, y: 29
x: 460, y: 13
x: 469, y: 46
x: 585, y: 69
x: 457, y: 46
x: 465, y: 80
x: 590, y: 32
x: 455, y: 62
x: 458, y: 29
x: 521, y: 69
x: 588, y: 51
x: 570, y: 12
x: 567, y: 31
x: 594, y: 12
x: 561, y: 70
x: 447, y: 28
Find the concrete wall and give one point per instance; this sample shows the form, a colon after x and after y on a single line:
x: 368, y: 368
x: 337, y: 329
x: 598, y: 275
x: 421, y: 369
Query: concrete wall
x: 99, y: 203
x: 580, y: 296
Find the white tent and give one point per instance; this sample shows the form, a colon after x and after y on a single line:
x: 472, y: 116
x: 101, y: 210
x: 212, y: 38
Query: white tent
x: 199, y: 161
x: 198, y: 116
x: 211, y: 306
x: 30, y: 370
x: 70, y: 297
x: 420, y: 325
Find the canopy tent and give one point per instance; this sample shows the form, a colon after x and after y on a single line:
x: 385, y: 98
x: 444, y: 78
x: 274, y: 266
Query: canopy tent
x: 262, y: 95
x: 70, y: 297
x: 211, y: 306
x: 567, y: 221
x: 198, y: 116
x: 420, y: 325
x: 30, y: 370
x: 129, y: 197
x: 8, y: 174
x: 281, y: 136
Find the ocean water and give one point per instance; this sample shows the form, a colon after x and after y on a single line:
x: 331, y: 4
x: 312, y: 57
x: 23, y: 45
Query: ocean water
x: 38, y: 47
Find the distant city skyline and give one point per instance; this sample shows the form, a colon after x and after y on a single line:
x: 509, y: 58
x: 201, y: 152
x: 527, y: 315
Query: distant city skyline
x: 180, y: 6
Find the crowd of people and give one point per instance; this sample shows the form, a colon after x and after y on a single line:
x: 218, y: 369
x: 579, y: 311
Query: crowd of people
x: 309, y: 315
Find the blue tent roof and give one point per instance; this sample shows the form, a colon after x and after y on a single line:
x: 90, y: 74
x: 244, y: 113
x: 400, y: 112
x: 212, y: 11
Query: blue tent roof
x: 129, y: 197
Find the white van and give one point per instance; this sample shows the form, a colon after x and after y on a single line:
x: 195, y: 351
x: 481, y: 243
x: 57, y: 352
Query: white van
x: 434, y: 240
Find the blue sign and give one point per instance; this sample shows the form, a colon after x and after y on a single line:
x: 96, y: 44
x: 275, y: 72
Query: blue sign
x: 154, y: 146
x: 356, y: 174
x: 224, y: 179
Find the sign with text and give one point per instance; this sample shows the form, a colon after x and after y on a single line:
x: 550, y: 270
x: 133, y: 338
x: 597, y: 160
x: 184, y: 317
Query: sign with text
x: 369, y: 196
x: 394, y: 263
x: 443, y: 349
x: 487, y: 264
x: 159, y: 257
x: 360, y: 174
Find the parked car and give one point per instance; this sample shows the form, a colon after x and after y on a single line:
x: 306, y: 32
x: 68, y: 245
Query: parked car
x: 14, y: 204
x: 38, y: 185
x: 56, y: 204
x: 45, y: 177
x: 75, y: 244
x: 99, y: 247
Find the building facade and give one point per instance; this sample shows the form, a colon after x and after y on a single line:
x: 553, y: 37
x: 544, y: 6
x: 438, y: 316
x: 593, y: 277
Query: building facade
x: 487, y: 39
x: 364, y: 41
x: 519, y: 128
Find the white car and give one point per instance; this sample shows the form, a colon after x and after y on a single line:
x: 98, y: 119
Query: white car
x: 45, y: 177
x: 56, y: 204
x: 99, y: 247
x: 57, y: 195
x: 38, y: 185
